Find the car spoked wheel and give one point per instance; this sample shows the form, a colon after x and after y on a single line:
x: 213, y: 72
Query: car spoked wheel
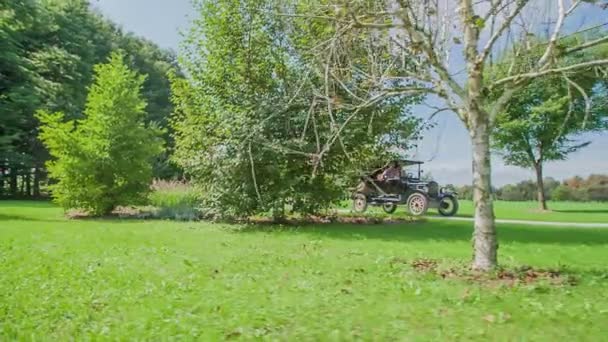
x: 359, y: 203
x: 448, y: 206
x: 417, y: 204
x: 389, y: 208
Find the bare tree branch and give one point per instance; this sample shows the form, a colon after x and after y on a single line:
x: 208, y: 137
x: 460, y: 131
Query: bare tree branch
x: 359, y: 23
x: 587, y: 45
x: 562, y: 128
x: 497, y: 7
x: 573, y: 7
x: 503, y: 27
x: 419, y: 38
x: 561, y: 16
x: 500, y: 104
x: 530, y: 75
x: 310, y: 113
x: 253, y: 176
x: 585, y: 97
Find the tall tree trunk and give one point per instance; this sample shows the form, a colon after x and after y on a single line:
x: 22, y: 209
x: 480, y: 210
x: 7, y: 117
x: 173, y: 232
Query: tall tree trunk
x: 540, y: 186
x: 28, y: 183
x: 22, y: 187
x: 2, y: 175
x: 36, y: 182
x: 485, y: 244
x: 13, y: 182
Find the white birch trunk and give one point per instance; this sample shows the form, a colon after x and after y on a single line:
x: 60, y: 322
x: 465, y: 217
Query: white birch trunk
x: 485, y: 244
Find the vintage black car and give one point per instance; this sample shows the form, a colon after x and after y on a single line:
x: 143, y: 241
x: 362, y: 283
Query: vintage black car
x: 408, y: 188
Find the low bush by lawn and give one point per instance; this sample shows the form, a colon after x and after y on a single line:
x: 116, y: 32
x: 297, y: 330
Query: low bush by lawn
x: 116, y: 279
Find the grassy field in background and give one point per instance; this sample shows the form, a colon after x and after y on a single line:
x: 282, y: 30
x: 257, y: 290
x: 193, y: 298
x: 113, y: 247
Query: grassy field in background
x: 596, y: 212
x: 128, y: 279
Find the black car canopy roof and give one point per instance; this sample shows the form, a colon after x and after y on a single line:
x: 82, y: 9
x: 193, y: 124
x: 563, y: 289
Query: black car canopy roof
x: 405, y: 162
x: 402, y: 162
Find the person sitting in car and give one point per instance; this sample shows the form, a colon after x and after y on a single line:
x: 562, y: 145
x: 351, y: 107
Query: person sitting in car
x: 392, y: 172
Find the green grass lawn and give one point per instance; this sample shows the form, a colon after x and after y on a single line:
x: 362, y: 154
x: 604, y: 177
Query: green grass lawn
x: 592, y: 212
x: 159, y: 280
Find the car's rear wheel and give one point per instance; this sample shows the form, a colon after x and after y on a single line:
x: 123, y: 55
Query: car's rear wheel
x: 417, y: 204
x: 359, y: 203
x: 389, y: 208
x: 448, y: 206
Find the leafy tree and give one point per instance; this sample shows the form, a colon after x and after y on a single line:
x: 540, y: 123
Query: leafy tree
x: 147, y: 58
x: 103, y: 160
x: 543, y: 120
x: 564, y: 193
x: 594, y: 188
x: 248, y: 126
x: 18, y: 84
x: 424, y: 33
x: 47, y: 53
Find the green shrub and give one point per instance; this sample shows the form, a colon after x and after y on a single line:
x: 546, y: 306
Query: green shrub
x: 562, y: 193
x: 598, y: 193
x: 105, y: 159
x: 257, y: 140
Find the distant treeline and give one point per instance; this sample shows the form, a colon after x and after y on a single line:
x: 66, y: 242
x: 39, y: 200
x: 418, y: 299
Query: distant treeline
x: 47, y: 53
x: 592, y: 188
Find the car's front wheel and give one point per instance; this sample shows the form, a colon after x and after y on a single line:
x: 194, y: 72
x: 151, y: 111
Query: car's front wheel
x: 448, y: 206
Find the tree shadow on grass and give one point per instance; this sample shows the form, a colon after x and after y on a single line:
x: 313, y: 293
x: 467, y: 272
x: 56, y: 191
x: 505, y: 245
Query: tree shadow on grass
x: 443, y: 231
x: 4, y: 217
x: 31, y: 218
x: 457, y: 215
x: 464, y: 215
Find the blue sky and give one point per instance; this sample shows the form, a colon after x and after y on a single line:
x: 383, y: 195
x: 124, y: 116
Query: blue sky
x: 446, y: 147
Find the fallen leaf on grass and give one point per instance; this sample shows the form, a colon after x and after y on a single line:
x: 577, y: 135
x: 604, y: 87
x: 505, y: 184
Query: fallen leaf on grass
x: 234, y: 334
x: 425, y: 265
x: 489, y: 318
x: 465, y: 294
x: 346, y: 291
x: 502, y: 318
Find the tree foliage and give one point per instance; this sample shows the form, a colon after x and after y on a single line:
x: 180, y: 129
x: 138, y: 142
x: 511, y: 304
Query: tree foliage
x: 545, y: 120
x: 17, y: 81
x: 104, y: 159
x: 424, y: 34
x: 594, y: 188
x: 47, y: 52
x: 249, y: 127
